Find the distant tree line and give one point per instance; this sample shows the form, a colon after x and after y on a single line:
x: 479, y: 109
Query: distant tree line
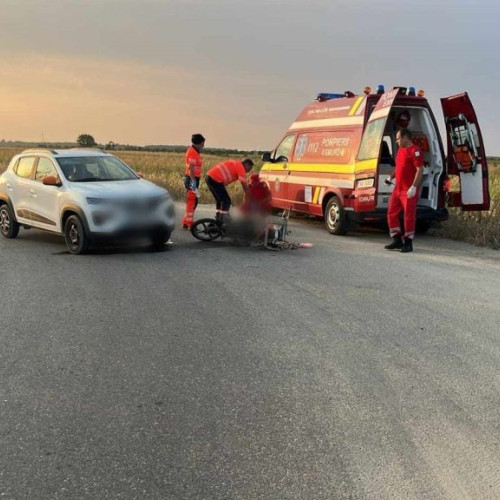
x: 87, y: 140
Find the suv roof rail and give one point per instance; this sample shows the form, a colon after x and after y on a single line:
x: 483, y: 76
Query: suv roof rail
x: 85, y: 149
x: 40, y: 150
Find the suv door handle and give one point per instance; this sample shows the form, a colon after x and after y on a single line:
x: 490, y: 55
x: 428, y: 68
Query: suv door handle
x: 33, y: 193
x: 9, y: 186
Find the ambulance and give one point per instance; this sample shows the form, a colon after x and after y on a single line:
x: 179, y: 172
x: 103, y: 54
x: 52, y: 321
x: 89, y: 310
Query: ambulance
x: 334, y: 158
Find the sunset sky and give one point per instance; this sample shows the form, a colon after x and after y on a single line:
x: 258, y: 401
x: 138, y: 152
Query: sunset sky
x: 155, y: 71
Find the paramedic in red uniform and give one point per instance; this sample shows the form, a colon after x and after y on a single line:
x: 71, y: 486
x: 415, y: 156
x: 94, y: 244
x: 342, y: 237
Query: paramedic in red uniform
x: 408, y: 173
x: 223, y: 174
x: 192, y: 178
x: 258, y: 201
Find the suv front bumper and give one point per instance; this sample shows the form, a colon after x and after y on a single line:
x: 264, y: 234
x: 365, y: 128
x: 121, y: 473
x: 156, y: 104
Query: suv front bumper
x: 130, y: 232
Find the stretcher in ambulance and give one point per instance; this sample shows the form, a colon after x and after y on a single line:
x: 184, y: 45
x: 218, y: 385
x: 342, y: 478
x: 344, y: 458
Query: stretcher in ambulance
x: 334, y: 158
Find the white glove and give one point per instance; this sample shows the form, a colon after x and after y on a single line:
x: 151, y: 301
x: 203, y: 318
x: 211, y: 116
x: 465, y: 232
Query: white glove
x: 411, y: 192
x: 388, y: 180
x: 197, y: 193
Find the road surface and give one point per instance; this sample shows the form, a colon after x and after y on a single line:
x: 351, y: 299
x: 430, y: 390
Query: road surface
x: 213, y: 372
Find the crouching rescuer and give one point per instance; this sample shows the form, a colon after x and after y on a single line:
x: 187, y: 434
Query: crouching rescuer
x: 222, y: 175
x: 408, y: 174
x: 259, y: 199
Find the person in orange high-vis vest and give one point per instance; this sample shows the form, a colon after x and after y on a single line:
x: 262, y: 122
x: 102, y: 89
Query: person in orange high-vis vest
x: 223, y: 174
x: 192, y: 178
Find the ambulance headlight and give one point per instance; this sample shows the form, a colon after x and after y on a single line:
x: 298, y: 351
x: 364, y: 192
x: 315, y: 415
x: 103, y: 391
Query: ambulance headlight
x: 365, y: 183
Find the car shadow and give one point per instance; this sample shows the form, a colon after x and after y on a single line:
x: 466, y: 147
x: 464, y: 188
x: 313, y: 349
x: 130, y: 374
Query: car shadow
x: 34, y: 237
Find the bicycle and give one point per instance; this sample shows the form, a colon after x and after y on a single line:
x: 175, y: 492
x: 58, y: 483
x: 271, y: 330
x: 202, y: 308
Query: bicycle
x: 268, y: 231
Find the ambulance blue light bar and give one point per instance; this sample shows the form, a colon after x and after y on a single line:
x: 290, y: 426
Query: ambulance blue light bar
x: 411, y: 91
x: 380, y: 89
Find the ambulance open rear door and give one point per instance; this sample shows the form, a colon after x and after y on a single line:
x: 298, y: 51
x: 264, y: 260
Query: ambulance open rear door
x: 465, y: 157
x: 369, y: 150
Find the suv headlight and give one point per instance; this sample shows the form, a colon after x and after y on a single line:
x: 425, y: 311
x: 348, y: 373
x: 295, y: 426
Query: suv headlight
x: 170, y: 212
x: 97, y: 201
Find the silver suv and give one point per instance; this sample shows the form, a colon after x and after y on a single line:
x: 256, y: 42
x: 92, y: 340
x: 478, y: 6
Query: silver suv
x: 84, y: 195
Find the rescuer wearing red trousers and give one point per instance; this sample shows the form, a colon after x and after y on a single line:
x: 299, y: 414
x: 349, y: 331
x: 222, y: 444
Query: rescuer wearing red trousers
x: 408, y: 173
x: 192, y: 178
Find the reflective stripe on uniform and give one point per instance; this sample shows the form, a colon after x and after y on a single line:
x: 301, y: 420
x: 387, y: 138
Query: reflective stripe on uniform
x: 226, y: 174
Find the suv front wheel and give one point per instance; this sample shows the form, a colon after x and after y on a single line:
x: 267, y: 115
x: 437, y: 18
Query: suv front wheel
x: 8, y: 225
x: 159, y: 238
x: 76, y: 238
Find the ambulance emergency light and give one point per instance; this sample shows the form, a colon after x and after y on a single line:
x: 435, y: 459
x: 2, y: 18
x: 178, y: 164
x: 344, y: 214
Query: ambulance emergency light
x: 380, y: 89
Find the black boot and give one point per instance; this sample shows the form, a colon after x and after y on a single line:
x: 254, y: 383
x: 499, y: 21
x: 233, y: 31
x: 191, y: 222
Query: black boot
x: 397, y: 243
x: 407, y: 246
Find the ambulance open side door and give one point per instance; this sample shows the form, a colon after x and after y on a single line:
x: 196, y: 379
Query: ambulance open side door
x: 465, y: 157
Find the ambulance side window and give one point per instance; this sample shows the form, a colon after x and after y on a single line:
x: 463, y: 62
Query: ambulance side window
x: 284, y: 151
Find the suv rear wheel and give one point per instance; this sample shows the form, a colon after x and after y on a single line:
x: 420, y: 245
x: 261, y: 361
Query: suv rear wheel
x: 8, y: 225
x: 76, y: 238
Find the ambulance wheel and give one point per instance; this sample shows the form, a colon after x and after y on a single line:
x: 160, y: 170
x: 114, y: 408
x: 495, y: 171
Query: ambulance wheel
x: 335, y: 216
x: 206, y: 230
x: 422, y: 226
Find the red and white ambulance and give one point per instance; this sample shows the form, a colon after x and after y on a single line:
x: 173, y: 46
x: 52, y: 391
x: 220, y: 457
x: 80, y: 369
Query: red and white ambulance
x: 334, y: 158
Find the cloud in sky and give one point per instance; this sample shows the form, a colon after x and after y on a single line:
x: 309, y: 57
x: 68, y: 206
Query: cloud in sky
x: 239, y: 71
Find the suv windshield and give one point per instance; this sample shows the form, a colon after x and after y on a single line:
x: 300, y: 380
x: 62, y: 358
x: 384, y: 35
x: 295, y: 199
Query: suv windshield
x: 95, y: 169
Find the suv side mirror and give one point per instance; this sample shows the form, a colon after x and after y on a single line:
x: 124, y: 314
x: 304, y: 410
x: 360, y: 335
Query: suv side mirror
x: 51, y: 180
x: 140, y: 174
x: 266, y: 156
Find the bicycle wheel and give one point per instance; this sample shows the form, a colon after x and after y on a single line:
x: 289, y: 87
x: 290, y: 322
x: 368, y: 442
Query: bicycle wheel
x: 206, y: 230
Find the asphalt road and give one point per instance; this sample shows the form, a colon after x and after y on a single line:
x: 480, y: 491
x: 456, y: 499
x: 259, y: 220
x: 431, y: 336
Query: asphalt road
x: 213, y: 372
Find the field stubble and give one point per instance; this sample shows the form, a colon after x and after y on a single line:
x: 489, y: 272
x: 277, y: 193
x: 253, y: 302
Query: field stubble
x: 167, y: 169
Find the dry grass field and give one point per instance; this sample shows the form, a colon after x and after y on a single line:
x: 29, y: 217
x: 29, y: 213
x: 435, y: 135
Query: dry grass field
x: 166, y: 169
x: 481, y: 228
